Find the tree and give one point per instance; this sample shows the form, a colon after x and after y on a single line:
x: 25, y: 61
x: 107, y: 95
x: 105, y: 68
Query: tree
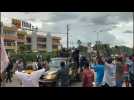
x: 22, y: 48
x: 79, y: 42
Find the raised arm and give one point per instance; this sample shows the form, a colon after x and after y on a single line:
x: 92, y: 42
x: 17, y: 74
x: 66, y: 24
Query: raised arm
x: 107, y: 64
x: 37, y: 74
x: 20, y: 75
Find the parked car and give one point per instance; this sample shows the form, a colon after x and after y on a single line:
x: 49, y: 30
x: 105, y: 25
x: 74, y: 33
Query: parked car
x: 51, y: 79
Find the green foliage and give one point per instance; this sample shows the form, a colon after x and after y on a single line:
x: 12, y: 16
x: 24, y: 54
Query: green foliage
x: 30, y: 56
x: 79, y: 42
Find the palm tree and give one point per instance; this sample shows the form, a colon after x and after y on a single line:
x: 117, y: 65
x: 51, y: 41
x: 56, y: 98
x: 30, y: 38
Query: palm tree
x: 79, y: 42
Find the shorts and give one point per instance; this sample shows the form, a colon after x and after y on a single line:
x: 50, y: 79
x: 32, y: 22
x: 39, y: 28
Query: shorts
x: 119, y: 83
x: 126, y: 77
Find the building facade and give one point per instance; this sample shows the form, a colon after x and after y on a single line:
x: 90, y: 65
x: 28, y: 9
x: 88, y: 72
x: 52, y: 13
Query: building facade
x: 14, y: 38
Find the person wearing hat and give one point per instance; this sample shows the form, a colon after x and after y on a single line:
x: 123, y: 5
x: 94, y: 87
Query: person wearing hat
x: 30, y: 78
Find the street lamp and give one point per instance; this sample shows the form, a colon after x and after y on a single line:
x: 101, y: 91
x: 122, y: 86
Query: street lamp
x: 98, y: 41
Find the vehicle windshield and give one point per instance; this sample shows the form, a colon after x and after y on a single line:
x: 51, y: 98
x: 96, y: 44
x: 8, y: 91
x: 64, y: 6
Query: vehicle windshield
x: 55, y: 63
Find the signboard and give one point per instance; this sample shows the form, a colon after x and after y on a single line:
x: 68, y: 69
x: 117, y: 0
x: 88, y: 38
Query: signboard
x: 17, y: 23
x: 23, y: 24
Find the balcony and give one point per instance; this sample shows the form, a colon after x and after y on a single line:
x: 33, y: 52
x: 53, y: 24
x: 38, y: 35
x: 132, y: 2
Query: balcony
x: 10, y: 47
x: 42, y: 49
x: 9, y: 37
x: 20, y: 40
x: 28, y: 43
x: 38, y: 42
x: 56, y: 43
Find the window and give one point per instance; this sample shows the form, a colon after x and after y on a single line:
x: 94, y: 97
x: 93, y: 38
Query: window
x: 28, y: 39
x: 55, y: 46
x: 9, y: 32
x: 9, y: 43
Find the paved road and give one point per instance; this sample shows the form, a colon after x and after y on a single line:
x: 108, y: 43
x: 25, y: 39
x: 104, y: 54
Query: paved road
x: 16, y: 83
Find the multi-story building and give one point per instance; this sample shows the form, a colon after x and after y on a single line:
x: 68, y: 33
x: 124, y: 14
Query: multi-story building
x: 10, y: 37
x: 42, y: 44
x: 14, y: 38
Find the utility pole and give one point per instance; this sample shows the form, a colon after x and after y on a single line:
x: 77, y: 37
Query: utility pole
x: 133, y: 34
x: 97, y: 44
x: 67, y: 42
x: 67, y: 36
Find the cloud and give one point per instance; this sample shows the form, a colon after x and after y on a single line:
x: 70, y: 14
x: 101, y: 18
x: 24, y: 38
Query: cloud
x: 101, y: 20
x: 62, y: 16
x: 26, y: 12
x: 125, y: 16
x: 83, y: 25
x: 32, y: 19
x: 128, y: 31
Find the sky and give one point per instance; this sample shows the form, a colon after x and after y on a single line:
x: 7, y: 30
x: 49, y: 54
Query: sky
x: 115, y: 28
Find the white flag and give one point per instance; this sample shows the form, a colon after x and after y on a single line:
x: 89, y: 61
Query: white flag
x: 3, y: 56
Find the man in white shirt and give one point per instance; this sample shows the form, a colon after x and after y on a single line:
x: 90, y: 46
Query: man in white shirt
x: 109, y: 74
x: 30, y: 79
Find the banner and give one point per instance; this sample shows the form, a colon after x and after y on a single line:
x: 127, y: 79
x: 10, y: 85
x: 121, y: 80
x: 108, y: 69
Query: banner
x: 3, y: 55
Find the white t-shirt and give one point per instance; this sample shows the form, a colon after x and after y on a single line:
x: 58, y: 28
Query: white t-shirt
x: 30, y: 80
x: 109, y: 74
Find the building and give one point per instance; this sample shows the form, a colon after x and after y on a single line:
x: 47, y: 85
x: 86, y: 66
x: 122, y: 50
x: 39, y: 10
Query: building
x: 14, y: 38
x: 10, y: 37
x: 44, y: 43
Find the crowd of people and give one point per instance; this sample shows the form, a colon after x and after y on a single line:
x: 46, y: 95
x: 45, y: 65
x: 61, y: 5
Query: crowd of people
x: 110, y: 72
x: 19, y: 66
x: 105, y: 72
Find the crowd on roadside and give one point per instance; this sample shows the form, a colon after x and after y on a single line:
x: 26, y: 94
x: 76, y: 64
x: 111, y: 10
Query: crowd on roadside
x: 21, y: 65
x: 109, y: 72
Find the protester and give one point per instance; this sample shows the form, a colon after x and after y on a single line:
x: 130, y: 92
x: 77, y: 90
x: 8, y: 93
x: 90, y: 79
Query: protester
x: 88, y: 76
x: 109, y: 73
x: 131, y: 72
x: 16, y: 66
x: 45, y: 64
x: 99, y: 69
x: 31, y: 78
x: 20, y: 65
x: 0, y: 79
x: 35, y: 66
x: 126, y: 75
x: 9, y: 71
x: 63, y: 75
x: 83, y: 60
x: 119, y: 71
x: 39, y: 64
x: 24, y: 63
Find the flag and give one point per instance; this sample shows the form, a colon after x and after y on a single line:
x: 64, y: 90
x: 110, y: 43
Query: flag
x: 4, y: 56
